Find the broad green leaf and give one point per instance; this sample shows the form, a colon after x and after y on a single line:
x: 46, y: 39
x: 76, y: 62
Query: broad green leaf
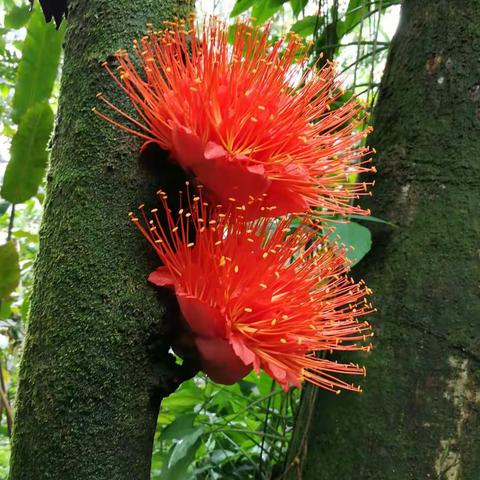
x: 9, y: 269
x: 181, y: 457
x: 298, y: 6
x: 183, y: 446
x: 38, y: 67
x: 184, y: 399
x: 356, y: 11
x: 29, y: 236
x: 28, y: 155
x: 265, y: 9
x: 180, y: 428
x: 219, y: 456
x: 240, y: 7
x: 7, y: 4
x: 17, y: 17
x: 306, y: 26
x: 371, y: 218
x: 5, y: 312
x: 357, y: 239
x: 3, y: 207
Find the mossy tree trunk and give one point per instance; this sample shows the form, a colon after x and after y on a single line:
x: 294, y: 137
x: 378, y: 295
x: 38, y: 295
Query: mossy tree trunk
x: 94, y: 357
x: 419, y: 417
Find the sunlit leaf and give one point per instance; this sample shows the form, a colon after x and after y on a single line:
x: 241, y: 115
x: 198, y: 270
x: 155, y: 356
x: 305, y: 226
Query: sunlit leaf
x: 5, y: 312
x: 298, y: 6
x: 9, y: 269
x: 17, y: 17
x: 183, y: 446
x: 240, y: 7
x: 357, y: 239
x: 29, y: 236
x: 181, y: 456
x: 38, y: 67
x: 307, y: 25
x: 180, y: 428
x: 265, y: 9
x: 184, y: 399
x: 356, y: 11
x: 28, y: 155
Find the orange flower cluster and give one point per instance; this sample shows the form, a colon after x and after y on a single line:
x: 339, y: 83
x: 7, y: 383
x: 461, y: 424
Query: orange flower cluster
x: 256, y: 289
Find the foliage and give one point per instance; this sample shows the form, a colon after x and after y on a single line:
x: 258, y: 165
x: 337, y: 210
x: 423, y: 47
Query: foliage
x: 233, y: 432
x: 29, y: 157
x: 205, y: 431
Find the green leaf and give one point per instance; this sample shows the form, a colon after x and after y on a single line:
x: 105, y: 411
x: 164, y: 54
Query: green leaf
x: 5, y: 312
x: 3, y: 207
x: 17, y: 17
x: 306, y: 26
x: 183, y: 446
x: 352, y: 235
x: 180, y: 428
x: 9, y: 269
x: 240, y: 6
x: 371, y: 218
x: 298, y: 6
x: 181, y: 456
x: 29, y: 236
x: 28, y: 155
x: 183, y: 400
x: 265, y: 9
x: 356, y: 11
x: 38, y: 67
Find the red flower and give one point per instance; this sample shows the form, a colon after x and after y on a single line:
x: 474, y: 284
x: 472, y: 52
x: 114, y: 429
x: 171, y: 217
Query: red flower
x: 261, y: 294
x: 244, y: 119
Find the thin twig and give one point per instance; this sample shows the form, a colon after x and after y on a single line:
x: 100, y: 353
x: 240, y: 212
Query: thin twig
x: 11, y: 222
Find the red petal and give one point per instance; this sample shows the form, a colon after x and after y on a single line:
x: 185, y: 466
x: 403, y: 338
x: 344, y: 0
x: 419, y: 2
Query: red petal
x: 161, y: 277
x: 226, y: 178
x: 247, y: 356
x: 214, y: 151
x: 284, y: 200
x: 219, y: 361
x: 187, y: 147
x: 202, y: 318
x: 284, y: 377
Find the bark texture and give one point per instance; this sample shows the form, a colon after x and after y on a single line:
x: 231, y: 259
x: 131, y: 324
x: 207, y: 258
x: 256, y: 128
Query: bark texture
x: 419, y: 417
x: 94, y: 355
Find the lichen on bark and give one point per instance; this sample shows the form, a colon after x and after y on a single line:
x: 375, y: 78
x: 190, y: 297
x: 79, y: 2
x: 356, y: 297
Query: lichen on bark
x: 94, y: 356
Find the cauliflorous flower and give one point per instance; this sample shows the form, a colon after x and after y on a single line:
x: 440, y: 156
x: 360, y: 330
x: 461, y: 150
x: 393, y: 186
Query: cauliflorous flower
x: 259, y: 294
x: 245, y: 119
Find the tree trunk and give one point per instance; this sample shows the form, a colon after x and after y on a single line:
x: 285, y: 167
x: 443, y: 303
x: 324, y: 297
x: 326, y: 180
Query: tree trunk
x: 419, y: 417
x: 94, y: 357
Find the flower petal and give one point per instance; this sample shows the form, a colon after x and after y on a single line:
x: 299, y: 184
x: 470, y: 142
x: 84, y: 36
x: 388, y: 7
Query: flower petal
x: 187, y: 147
x: 225, y: 178
x: 284, y: 200
x: 161, y: 277
x: 204, y: 320
x: 219, y: 361
x: 247, y: 356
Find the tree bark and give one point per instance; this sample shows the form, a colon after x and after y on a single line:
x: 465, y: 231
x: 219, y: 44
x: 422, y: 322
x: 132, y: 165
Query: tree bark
x: 95, y: 350
x: 419, y: 417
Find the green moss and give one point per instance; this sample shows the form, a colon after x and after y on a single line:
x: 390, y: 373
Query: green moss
x: 418, y: 417
x: 88, y: 394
